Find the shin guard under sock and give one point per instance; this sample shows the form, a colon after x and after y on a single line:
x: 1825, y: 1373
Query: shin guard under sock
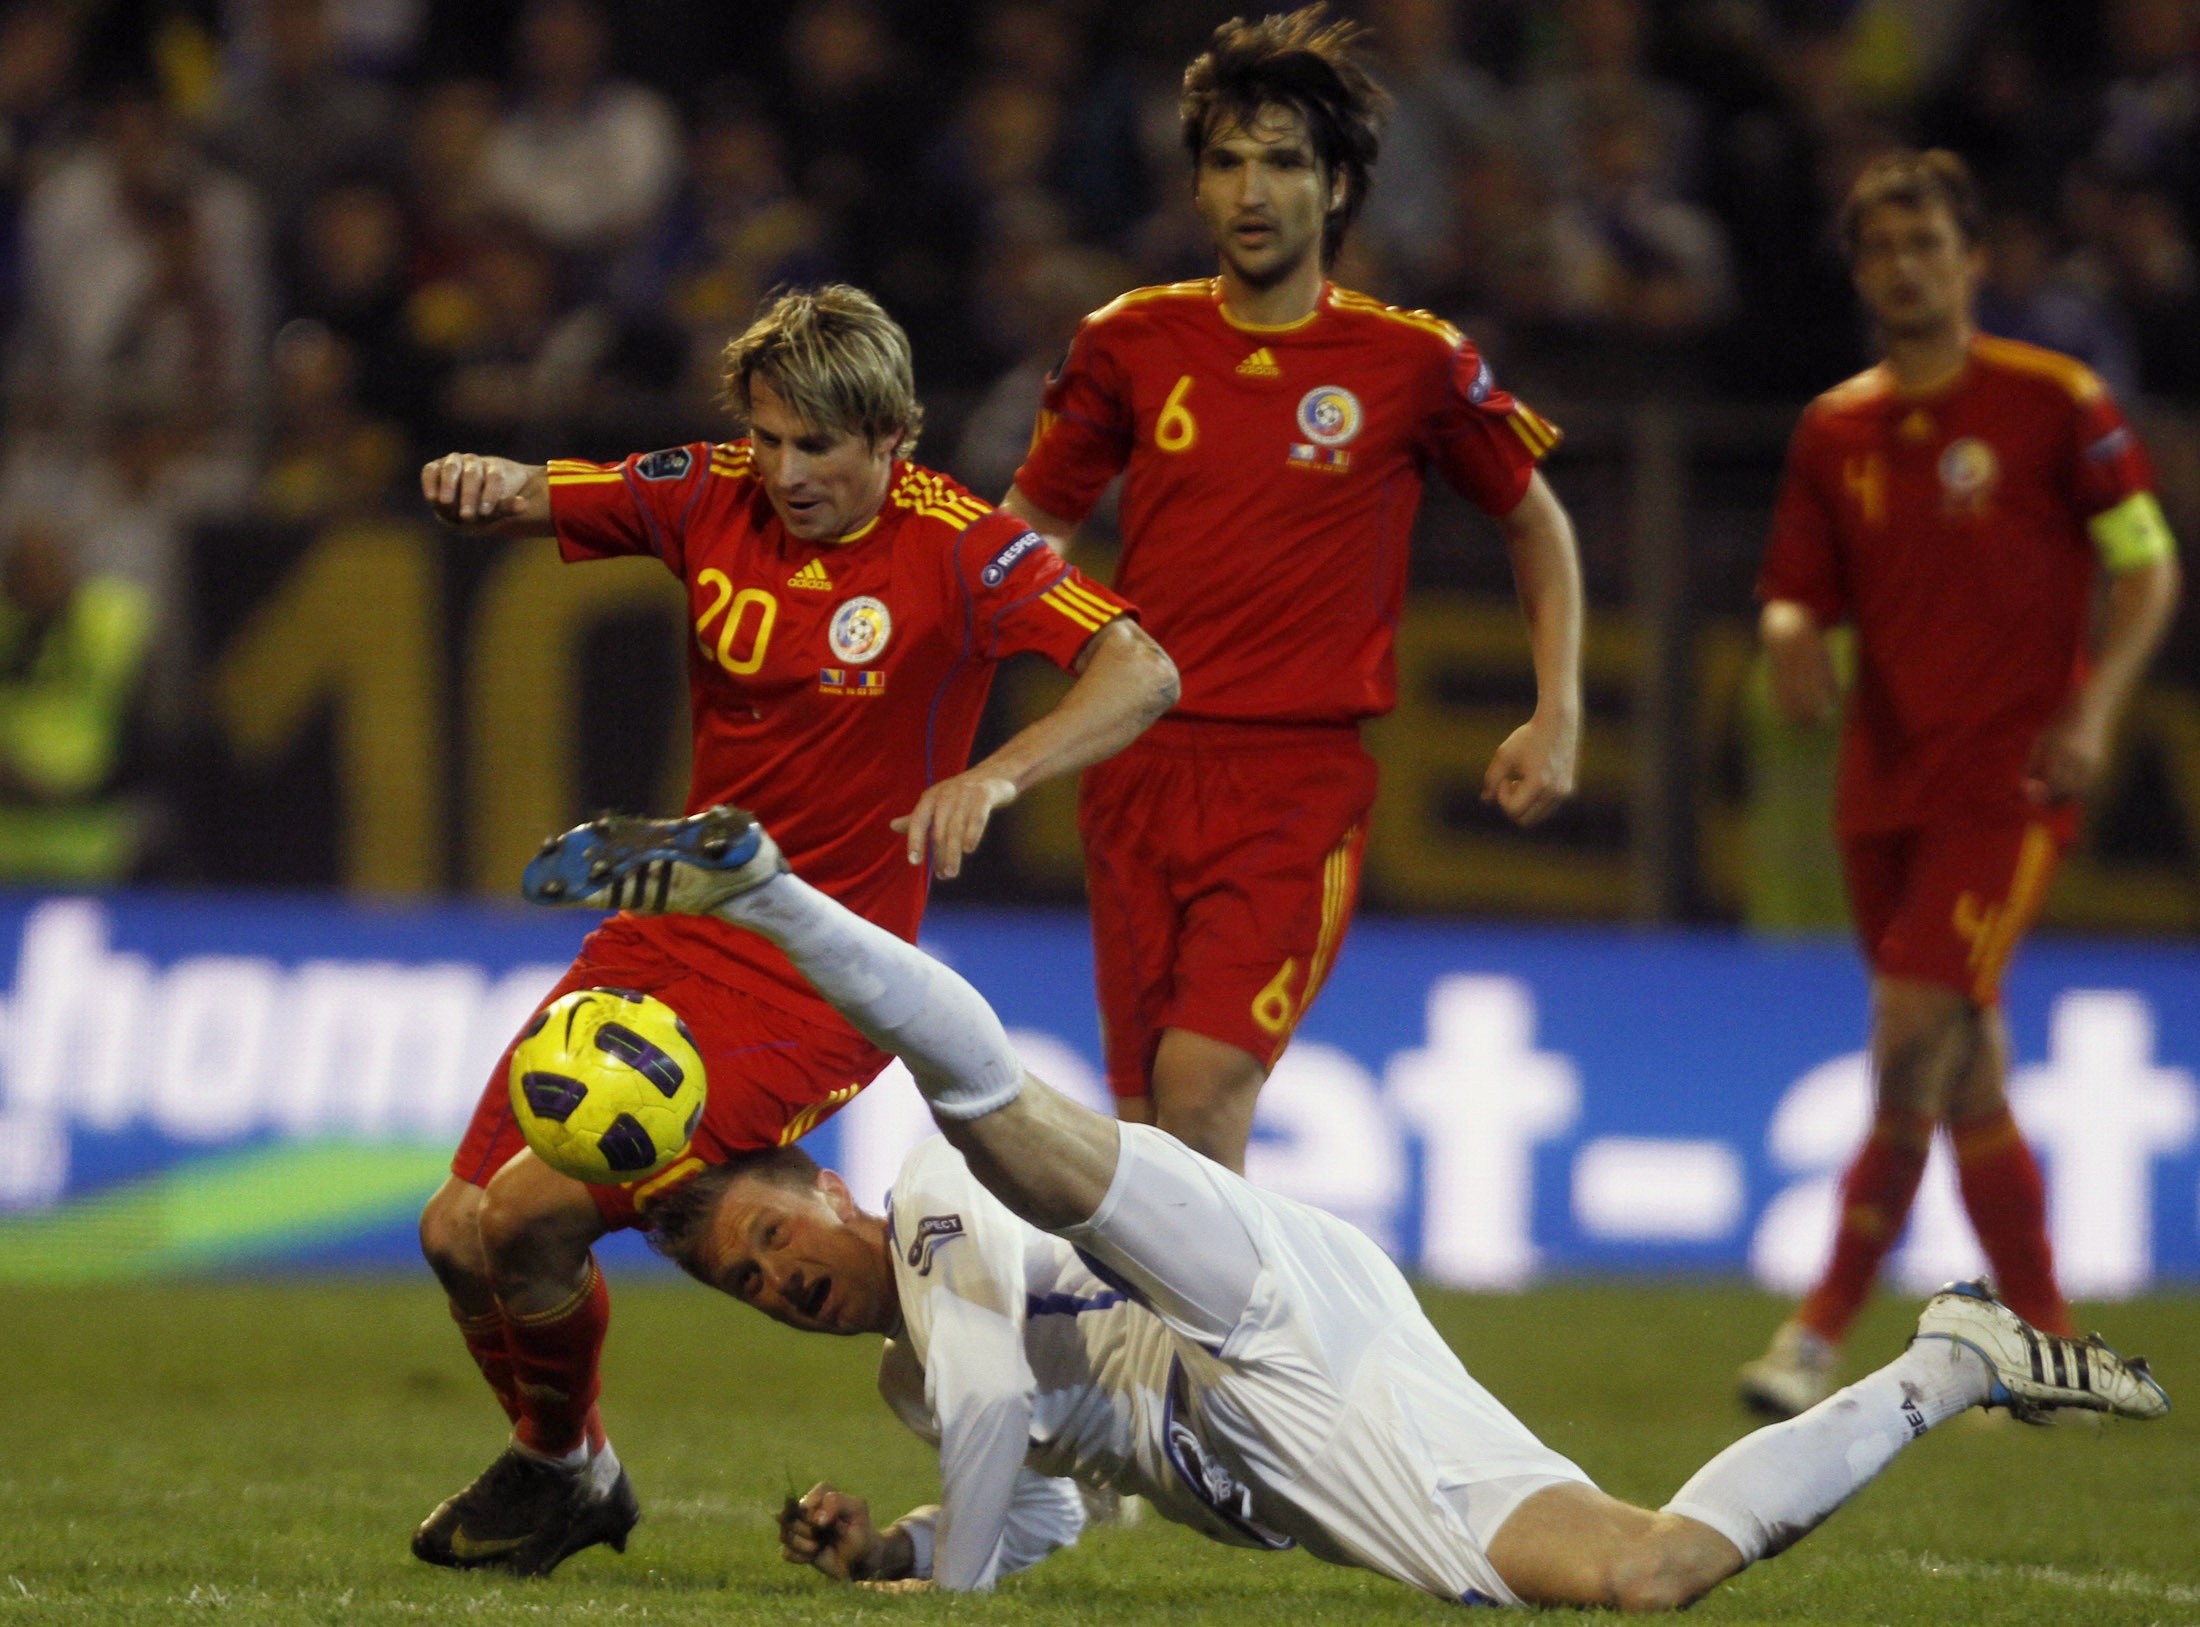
x: 486, y: 1342
x: 554, y: 1364
x: 1775, y: 1485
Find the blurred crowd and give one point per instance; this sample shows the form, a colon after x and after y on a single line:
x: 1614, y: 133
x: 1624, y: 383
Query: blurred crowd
x: 258, y: 257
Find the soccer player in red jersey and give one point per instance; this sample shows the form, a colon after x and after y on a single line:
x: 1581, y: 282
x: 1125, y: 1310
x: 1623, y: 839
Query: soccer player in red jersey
x: 848, y: 608
x: 1273, y: 431
x: 1958, y: 503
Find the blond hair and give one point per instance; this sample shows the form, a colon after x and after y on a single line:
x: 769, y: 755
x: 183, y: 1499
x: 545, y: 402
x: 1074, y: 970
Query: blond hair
x: 835, y: 357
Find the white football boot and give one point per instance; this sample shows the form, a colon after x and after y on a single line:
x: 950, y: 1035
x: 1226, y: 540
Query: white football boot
x: 2035, y: 1373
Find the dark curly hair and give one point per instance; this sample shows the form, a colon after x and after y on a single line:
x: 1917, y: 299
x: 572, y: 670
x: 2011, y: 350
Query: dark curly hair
x: 1304, y: 61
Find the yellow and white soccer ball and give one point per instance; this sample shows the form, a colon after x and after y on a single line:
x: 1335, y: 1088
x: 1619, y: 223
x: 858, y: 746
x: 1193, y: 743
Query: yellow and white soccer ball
x: 607, y: 1086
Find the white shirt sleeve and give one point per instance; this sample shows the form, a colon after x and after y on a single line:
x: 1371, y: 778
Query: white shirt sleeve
x: 1044, y: 1514
x: 980, y: 1388
x: 960, y: 1269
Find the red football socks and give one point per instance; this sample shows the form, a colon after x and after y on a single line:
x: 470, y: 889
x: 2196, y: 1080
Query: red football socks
x: 2007, y: 1203
x: 555, y: 1372
x: 1875, y: 1201
x: 486, y: 1343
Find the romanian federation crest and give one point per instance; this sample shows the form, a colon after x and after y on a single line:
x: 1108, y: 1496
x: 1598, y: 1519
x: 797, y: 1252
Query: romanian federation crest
x: 1330, y: 415
x: 1967, y: 467
x: 860, y: 630
x: 1968, y: 470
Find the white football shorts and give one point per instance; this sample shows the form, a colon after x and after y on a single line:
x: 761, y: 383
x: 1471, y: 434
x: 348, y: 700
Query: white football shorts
x: 1313, y: 1402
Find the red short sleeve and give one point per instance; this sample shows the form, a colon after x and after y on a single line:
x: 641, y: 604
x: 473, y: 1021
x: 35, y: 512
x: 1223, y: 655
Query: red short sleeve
x: 1083, y: 437
x: 1802, y: 563
x: 2111, y: 461
x: 1023, y: 596
x: 1485, y: 442
x: 638, y: 506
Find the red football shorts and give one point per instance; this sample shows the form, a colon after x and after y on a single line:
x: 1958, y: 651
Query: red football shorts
x: 1223, y: 862
x: 774, y: 1076
x: 1949, y: 903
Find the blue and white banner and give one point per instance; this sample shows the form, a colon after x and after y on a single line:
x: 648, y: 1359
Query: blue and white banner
x: 190, y: 1082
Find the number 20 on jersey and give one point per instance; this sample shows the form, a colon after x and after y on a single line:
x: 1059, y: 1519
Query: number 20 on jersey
x: 749, y: 616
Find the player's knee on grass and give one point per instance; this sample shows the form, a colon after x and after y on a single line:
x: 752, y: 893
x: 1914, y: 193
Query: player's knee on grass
x: 1670, y: 1564
x: 1575, y: 1545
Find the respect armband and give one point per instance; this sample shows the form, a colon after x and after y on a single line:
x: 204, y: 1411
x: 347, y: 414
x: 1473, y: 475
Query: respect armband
x: 2132, y: 534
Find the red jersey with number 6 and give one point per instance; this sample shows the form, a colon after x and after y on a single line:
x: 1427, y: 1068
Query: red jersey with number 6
x: 1950, y: 527
x: 829, y: 683
x: 1271, y: 478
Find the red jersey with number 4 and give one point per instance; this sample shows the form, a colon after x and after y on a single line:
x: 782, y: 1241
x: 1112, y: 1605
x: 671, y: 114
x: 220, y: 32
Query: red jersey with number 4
x: 830, y: 682
x: 1271, y: 477
x: 1950, y: 528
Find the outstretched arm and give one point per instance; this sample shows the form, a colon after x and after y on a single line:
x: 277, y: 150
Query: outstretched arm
x: 490, y: 494
x: 1533, y: 771
x: 1124, y: 682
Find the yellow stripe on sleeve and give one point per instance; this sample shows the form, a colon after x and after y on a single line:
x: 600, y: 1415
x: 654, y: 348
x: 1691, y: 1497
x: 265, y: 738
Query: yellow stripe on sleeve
x: 1074, y: 611
x: 1536, y: 445
x: 1550, y: 432
x: 1085, y: 596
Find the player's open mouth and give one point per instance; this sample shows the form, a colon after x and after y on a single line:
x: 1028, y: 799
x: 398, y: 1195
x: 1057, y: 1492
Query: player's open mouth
x: 813, y: 1303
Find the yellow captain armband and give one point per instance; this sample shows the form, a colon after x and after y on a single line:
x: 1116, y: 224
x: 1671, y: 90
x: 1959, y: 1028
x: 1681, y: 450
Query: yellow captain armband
x: 2132, y: 534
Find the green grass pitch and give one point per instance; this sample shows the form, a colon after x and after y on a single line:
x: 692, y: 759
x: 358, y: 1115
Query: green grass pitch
x: 259, y: 1452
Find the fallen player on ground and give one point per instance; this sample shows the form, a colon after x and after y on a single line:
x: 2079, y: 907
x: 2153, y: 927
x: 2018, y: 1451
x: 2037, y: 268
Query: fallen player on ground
x: 1072, y: 1301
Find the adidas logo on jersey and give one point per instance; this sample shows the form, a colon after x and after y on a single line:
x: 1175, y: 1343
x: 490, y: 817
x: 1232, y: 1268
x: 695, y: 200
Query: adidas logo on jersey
x: 813, y: 577
x: 1259, y: 365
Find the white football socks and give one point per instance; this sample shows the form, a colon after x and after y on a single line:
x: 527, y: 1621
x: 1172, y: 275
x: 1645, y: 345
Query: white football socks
x: 900, y: 998
x: 1770, y: 1488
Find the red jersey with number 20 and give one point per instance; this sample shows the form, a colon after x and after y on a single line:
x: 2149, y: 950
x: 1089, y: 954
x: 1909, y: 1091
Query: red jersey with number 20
x: 1271, y: 478
x: 1950, y: 527
x: 829, y: 683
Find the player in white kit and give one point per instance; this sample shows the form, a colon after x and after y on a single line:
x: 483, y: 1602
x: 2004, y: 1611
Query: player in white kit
x: 1074, y: 1301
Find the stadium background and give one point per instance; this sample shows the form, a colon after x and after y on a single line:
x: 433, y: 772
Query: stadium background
x: 258, y: 260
